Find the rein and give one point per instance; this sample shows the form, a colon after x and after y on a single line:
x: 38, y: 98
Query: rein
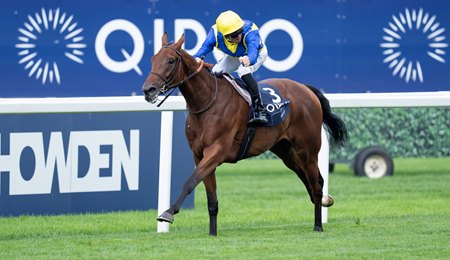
x: 168, y: 83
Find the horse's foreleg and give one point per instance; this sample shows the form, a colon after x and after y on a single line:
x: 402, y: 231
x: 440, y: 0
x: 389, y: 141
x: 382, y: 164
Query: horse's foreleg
x: 188, y: 187
x: 206, y: 166
x: 213, y: 204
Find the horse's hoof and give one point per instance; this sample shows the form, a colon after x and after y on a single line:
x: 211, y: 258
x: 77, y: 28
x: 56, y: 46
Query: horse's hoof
x: 165, y: 217
x: 318, y: 229
x: 327, y: 201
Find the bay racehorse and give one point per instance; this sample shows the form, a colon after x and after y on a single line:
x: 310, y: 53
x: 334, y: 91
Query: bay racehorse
x: 217, y: 123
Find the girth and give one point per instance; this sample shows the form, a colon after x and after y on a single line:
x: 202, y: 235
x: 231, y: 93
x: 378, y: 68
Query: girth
x: 247, y: 142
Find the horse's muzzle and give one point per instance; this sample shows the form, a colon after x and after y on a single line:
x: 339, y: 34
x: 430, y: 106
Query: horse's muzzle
x: 150, y: 93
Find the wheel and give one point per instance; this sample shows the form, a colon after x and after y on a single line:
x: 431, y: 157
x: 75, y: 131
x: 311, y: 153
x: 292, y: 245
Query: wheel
x: 373, y: 162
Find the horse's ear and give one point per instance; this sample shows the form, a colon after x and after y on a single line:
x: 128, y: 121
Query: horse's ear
x: 164, y: 39
x: 180, y: 42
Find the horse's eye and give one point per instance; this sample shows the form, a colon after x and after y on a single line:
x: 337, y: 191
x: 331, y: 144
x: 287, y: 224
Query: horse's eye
x: 171, y: 61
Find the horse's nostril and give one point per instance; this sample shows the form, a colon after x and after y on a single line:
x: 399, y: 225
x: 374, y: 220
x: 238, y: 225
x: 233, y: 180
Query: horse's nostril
x: 150, y: 90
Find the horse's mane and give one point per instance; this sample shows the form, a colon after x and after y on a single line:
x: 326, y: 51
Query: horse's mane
x: 209, y: 66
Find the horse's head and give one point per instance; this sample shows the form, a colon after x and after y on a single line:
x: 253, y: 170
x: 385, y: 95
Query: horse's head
x: 165, y: 70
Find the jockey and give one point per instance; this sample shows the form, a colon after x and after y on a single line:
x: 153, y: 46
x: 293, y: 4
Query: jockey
x: 244, y: 53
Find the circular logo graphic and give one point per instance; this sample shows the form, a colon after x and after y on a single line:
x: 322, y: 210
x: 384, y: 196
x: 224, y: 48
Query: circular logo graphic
x: 47, y: 38
x: 412, y: 39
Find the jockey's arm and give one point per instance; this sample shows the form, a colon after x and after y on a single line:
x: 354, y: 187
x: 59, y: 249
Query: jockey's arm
x: 207, y: 46
x: 253, y: 41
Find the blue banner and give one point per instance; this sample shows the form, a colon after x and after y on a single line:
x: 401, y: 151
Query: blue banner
x: 103, y: 48
x: 86, y: 162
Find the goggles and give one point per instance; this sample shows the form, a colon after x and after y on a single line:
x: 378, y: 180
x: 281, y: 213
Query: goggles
x: 234, y: 35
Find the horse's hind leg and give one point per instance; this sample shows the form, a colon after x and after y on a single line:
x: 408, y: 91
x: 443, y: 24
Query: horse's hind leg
x: 306, y: 168
x: 327, y: 201
x: 315, y: 181
x: 213, y: 204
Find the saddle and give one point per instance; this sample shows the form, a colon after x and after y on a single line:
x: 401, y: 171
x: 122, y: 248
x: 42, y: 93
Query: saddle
x: 276, y: 106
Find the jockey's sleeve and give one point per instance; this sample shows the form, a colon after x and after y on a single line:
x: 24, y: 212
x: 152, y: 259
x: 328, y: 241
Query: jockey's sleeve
x: 208, y: 44
x: 253, y: 41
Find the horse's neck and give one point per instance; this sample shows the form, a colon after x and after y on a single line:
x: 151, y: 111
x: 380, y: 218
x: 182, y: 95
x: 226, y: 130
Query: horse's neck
x: 199, y: 91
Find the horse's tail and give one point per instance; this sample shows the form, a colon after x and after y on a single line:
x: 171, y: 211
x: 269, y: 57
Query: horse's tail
x: 333, y: 123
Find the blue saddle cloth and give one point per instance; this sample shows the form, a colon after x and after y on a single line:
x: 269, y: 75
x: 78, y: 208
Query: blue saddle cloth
x: 276, y: 105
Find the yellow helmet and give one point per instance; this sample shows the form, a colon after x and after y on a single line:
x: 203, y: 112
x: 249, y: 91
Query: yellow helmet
x: 229, y: 22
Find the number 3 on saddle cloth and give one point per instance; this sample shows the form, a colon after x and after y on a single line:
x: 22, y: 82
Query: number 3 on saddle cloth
x: 276, y: 106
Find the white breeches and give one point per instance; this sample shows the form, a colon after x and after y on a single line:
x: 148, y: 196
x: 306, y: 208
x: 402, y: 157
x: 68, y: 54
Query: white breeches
x: 229, y: 64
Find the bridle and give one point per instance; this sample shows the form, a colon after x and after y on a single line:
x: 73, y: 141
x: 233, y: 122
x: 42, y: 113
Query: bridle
x: 168, y: 83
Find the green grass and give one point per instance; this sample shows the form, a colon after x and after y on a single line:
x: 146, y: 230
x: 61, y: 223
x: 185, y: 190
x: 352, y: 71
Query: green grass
x: 264, y: 213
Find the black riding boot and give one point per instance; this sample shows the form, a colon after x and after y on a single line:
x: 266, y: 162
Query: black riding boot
x: 260, y: 116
